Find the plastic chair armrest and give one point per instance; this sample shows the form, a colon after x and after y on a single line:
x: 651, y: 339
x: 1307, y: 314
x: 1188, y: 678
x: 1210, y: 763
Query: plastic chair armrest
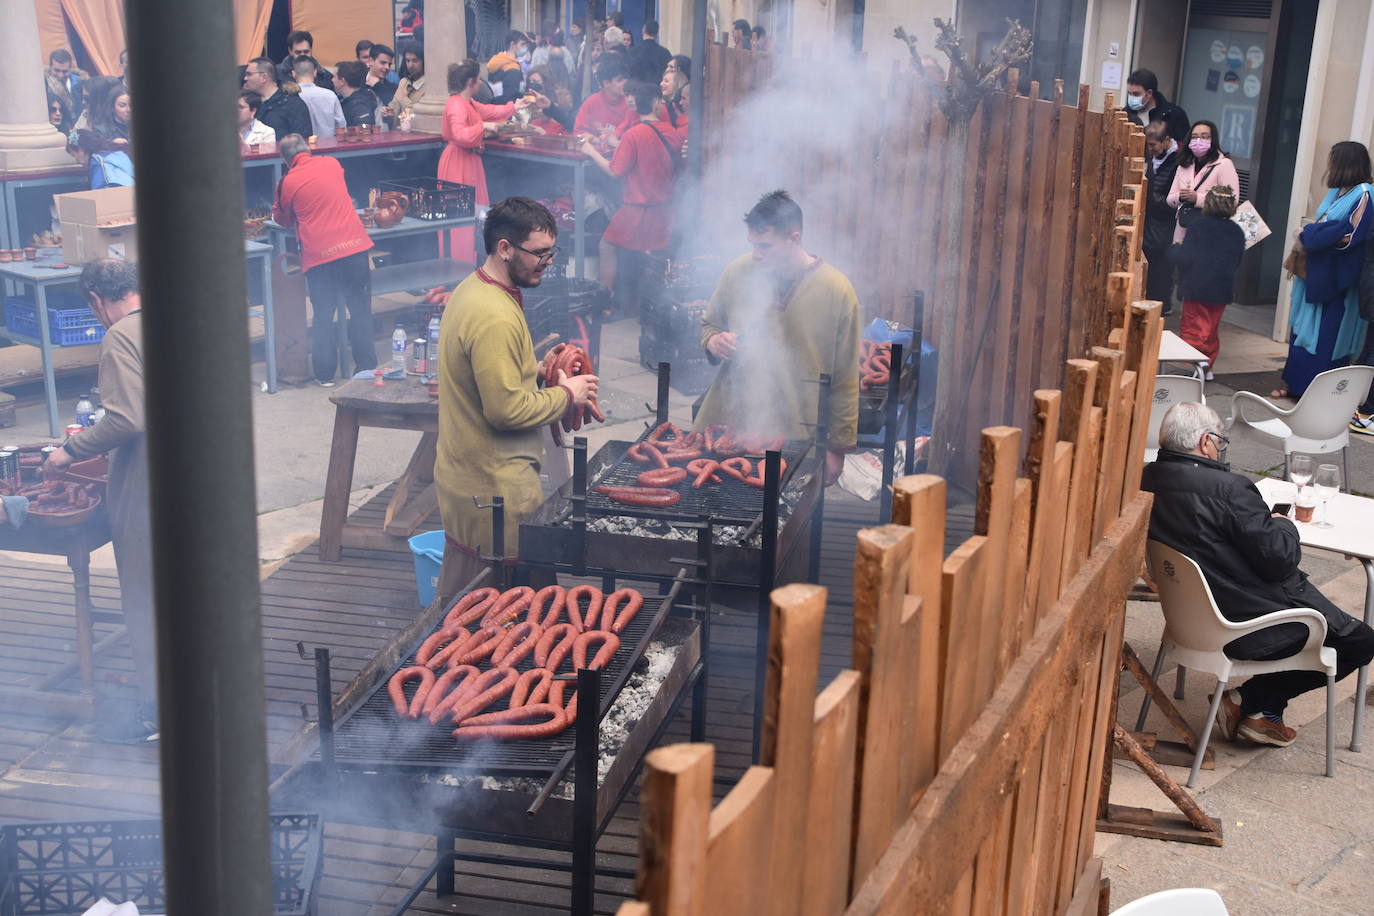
x: 1249, y: 397
x: 1309, y: 617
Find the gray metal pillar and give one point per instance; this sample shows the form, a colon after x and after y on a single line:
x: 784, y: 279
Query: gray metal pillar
x: 696, y: 114
x: 200, y: 445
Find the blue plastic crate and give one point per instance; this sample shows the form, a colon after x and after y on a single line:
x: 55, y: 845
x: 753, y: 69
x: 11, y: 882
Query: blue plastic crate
x: 70, y: 322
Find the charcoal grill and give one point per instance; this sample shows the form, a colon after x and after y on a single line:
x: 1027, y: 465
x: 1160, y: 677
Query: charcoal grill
x: 375, y: 769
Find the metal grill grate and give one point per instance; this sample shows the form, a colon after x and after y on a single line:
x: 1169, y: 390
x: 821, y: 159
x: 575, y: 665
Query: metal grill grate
x: 373, y: 735
x: 728, y: 501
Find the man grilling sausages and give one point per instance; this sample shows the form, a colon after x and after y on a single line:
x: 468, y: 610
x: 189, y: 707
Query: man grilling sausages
x: 491, y: 409
x: 778, y: 319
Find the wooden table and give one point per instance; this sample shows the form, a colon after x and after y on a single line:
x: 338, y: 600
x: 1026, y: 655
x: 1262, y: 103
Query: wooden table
x: 75, y: 544
x: 402, y: 404
x: 1352, y: 534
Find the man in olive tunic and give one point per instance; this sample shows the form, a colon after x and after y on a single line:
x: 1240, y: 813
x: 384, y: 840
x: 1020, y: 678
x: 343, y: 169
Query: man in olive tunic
x: 778, y: 319
x: 491, y: 409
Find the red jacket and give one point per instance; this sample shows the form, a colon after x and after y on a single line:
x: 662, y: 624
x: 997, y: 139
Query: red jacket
x: 313, y: 197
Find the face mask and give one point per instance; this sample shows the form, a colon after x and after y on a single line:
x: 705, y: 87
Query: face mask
x: 1200, y: 148
x: 1135, y: 102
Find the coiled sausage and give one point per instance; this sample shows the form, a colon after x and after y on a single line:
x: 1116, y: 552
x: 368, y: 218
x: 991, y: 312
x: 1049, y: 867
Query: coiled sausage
x: 395, y: 689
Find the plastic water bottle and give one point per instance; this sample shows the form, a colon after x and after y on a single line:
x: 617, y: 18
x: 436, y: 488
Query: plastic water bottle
x: 432, y: 350
x: 85, y: 412
x: 399, y: 342
x: 99, y: 411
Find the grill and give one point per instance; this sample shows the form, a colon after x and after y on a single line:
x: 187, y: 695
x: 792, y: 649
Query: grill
x: 373, y: 736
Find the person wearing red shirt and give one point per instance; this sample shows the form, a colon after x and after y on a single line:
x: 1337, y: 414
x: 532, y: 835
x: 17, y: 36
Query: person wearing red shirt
x: 676, y: 86
x: 313, y: 197
x: 608, y: 108
x: 644, y: 163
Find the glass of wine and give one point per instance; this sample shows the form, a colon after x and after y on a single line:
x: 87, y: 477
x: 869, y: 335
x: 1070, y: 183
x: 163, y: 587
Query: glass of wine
x: 1327, y: 482
x: 1300, y: 471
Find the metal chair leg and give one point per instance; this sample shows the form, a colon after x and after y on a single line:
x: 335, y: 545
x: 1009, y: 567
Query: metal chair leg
x: 1180, y: 681
x: 1345, y: 465
x: 1154, y: 675
x: 1331, y: 725
x: 1206, y: 733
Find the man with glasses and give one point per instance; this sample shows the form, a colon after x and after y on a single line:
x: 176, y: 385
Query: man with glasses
x: 491, y: 408
x: 64, y: 81
x: 1249, y: 556
x: 282, y: 111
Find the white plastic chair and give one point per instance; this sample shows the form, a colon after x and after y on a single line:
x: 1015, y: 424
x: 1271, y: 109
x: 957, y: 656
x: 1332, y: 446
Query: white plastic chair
x: 1170, y: 390
x: 1195, y: 633
x: 1319, y: 423
x: 1181, y: 901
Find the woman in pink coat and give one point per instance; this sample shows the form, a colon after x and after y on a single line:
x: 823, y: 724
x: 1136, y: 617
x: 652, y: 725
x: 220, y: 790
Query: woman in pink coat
x: 1201, y: 166
x: 466, y: 123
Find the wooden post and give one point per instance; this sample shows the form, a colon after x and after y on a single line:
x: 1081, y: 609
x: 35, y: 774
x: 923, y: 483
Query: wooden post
x: 1115, y: 437
x: 673, y: 829
x: 788, y: 713
x: 1076, y: 426
x: 830, y: 813
x: 739, y: 839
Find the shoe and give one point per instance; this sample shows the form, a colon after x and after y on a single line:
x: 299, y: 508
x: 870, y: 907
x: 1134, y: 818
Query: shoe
x: 1228, y: 714
x: 1262, y: 731
x: 325, y: 382
x: 1206, y: 369
x: 1362, y: 423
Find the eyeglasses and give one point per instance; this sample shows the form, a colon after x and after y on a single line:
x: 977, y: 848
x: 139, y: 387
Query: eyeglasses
x: 1222, y: 441
x: 543, y: 256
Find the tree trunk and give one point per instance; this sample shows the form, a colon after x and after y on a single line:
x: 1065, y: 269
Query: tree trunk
x: 950, y: 406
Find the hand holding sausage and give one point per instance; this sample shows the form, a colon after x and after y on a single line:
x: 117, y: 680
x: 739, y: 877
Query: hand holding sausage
x: 583, y: 387
x: 723, y: 344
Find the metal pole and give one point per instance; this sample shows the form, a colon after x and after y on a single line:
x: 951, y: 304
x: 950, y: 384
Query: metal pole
x: 914, y: 404
x: 768, y: 560
x: 696, y: 113
x: 586, y: 749
x: 200, y: 448
x: 894, y: 394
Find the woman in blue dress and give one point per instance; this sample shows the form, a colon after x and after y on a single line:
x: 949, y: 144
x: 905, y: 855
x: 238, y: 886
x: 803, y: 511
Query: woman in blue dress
x: 1324, y: 318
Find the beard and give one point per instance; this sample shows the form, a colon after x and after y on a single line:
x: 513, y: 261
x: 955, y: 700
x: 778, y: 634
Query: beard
x: 525, y: 277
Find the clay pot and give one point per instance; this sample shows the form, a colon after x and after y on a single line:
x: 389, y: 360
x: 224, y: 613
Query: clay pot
x: 30, y: 254
x: 392, y: 207
x: 340, y: 133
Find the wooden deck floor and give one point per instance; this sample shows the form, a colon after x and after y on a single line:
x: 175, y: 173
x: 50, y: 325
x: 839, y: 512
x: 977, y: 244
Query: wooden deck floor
x: 55, y: 770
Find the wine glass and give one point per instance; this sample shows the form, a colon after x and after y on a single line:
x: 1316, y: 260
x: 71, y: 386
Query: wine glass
x: 1327, y: 482
x: 1300, y: 471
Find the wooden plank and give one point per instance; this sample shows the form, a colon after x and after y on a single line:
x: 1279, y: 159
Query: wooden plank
x: 830, y: 813
x: 1080, y: 772
x: 1147, y: 325
x: 740, y: 840
x: 934, y: 846
x: 674, y: 829
x: 999, y: 458
x: 1039, y: 469
x: 1084, y: 301
x: 990, y: 869
x: 1034, y: 294
x: 1020, y: 872
x: 1112, y: 451
x: 1051, y: 585
x: 1011, y: 231
x: 919, y: 503
x: 882, y: 566
x: 1108, y: 679
x: 965, y: 577
x: 788, y: 717
x: 1080, y: 380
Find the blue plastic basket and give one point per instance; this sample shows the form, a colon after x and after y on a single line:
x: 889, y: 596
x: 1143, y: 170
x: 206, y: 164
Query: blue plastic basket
x: 428, y: 549
x: 70, y: 322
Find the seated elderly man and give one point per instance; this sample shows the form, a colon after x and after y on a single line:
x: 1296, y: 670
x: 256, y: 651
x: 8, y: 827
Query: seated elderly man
x: 1250, y: 557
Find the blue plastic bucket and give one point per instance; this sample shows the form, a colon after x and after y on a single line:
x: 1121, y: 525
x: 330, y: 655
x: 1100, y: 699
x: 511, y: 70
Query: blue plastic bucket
x: 428, y: 549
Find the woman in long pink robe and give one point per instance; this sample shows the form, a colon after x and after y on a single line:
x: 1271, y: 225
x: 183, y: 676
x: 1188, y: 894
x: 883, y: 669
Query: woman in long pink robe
x: 465, y: 124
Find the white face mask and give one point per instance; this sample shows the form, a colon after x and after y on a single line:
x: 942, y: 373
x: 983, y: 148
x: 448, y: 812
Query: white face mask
x: 1135, y: 102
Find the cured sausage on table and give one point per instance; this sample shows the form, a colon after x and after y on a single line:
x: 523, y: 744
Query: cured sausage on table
x: 395, y: 689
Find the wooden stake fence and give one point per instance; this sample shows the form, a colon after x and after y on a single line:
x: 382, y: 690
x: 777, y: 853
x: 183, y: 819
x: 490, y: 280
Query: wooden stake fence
x: 957, y: 767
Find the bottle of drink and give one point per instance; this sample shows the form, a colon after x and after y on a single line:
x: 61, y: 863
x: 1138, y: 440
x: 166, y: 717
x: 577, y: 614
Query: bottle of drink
x: 432, y: 350
x: 85, y: 411
x: 399, y: 340
x: 99, y: 407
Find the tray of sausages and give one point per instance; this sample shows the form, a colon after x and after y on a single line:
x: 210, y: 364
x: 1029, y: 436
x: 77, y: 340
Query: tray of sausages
x: 56, y: 503
x: 716, y: 472
x: 495, y: 667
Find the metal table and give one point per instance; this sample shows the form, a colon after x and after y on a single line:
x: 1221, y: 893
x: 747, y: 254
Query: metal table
x: 556, y: 158
x: 1174, y: 349
x: 41, y: 275
x: 1353, y: 536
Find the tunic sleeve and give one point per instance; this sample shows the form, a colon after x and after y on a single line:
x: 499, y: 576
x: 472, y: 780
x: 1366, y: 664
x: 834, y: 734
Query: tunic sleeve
x: 458, y: 129
x: 715, y: 320
x: 121, y: 394
x: 844, y: 381
x: 494, y: 112
x: 497, y: 355
x: 626, y: 154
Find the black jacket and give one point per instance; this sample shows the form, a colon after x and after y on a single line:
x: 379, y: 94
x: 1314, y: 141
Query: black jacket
x: 648, y: 60
x: 1172, y: 115
x: 360, y: 108
x: 286, y: 113
x: 1367, y: 284
x: 1160, y: 218
x: 323, y: 78
x: 1207, y: 259
x: 1250, y: 559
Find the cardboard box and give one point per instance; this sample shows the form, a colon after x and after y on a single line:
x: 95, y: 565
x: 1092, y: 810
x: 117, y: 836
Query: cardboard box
x: 98, y: 224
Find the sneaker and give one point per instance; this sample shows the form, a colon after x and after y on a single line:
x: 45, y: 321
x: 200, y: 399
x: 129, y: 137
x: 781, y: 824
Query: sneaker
x: 1206, y: 369
x: 1228, y: 714
x: 1362, y: 423
x: 325, y: 382
x: 1261, y: 730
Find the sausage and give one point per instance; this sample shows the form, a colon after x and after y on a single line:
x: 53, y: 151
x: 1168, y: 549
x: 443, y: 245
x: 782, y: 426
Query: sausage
x: 487, y: 688
x: 632, y: 600
x: 471, y: 607
x: 556, y: 692
x: 540, y: 720
x: 559, y: 596
x: 737, y: 467
x: 703, y: 469
x: 478, y: 646
x: 661, y: 477
x: 594, y: 409
x: 646, y: 453
x: 509, y: 606
x: 757, y: 445
x: 450, y: 638
x: 650, y: 497
x: 444, y: 693
x: 758, y: 480
x: 609, y: 644
x: 519, y: 642
x: 555, y: 645
x: 663, y: 429
x: 395, y: 690
x: 711, y: 433
x: 532, y: 687
x: 584, y: 621
x: 682, y: 454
